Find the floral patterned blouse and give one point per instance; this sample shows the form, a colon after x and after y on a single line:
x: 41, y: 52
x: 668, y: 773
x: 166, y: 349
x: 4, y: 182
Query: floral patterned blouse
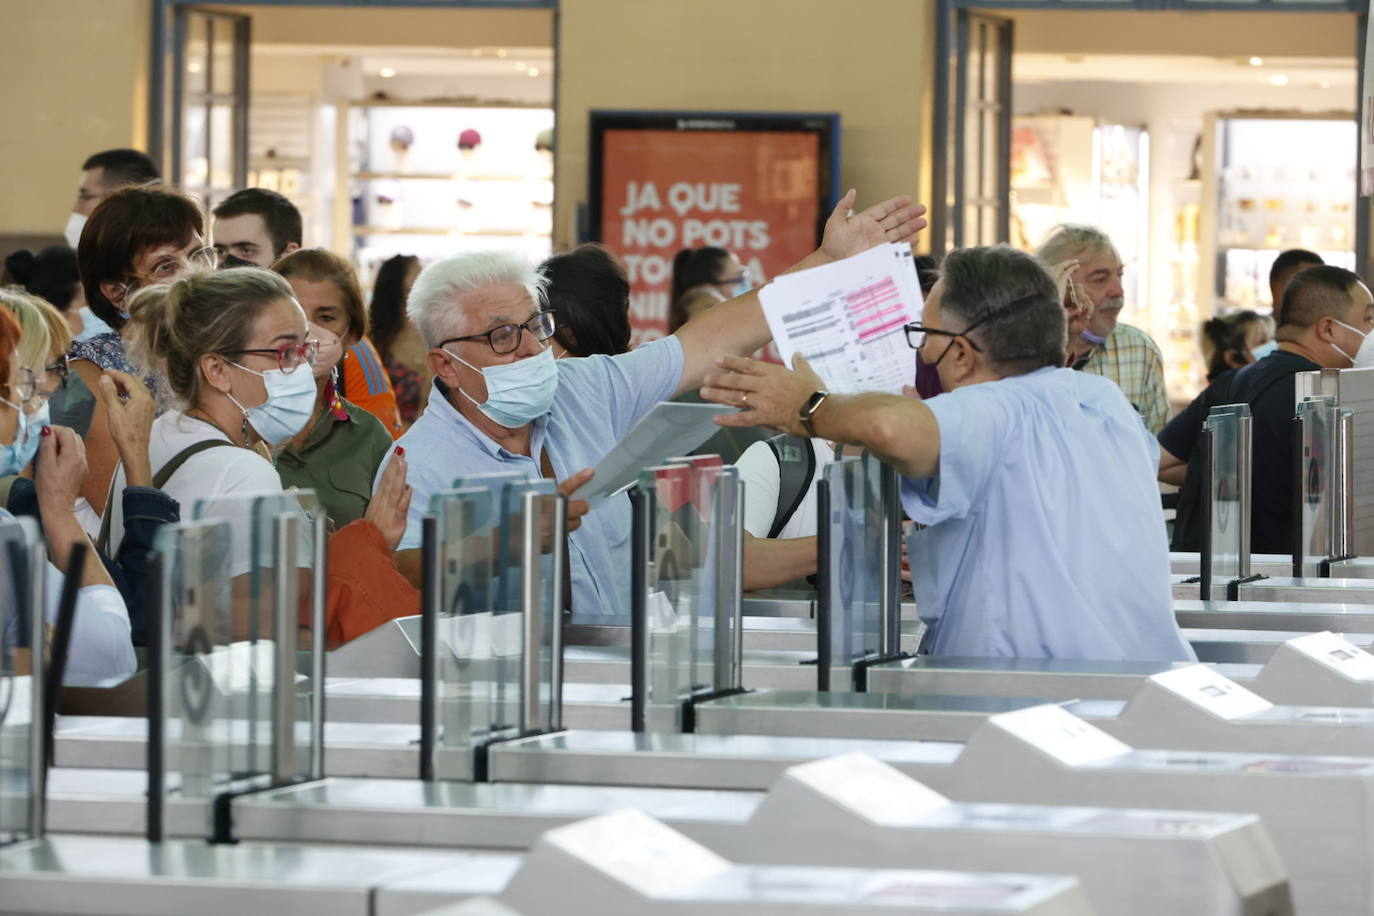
x: 107, y: 351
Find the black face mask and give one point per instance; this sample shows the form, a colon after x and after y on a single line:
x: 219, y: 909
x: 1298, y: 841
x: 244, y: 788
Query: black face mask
x: 230, y: 262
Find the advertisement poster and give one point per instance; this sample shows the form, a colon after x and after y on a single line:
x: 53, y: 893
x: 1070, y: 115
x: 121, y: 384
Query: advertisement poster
x: 762, y: 194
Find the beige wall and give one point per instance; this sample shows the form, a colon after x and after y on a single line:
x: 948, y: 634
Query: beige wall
x: 1214, y: 34
x: 75, y: 72
x: 439, y: 28
x: 869, y: 60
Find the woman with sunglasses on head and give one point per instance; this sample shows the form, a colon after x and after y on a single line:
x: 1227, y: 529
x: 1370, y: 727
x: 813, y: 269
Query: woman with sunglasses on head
x: 338, y: 451
x: 137, y: 237
x: 100, y: 646
x: 238, y: 355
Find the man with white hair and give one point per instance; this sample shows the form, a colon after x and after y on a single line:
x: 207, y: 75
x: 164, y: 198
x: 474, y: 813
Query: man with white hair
x: 1121, y: 352
x: 501, y: 403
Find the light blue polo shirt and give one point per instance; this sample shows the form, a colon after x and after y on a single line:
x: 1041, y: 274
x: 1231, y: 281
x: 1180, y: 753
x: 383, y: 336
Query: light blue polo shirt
x: 599, y: 399
x: 1046, y: 538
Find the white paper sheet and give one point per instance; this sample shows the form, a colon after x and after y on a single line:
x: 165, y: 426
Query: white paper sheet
x: 846, y: 318
x: 667, y: 431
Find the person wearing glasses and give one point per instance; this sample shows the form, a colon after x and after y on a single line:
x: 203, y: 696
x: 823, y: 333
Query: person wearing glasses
x: 136, y: 237
x: 1035, y: 485
x: 100, y: 645
x: 502, y: 403
x: 238, y: 356
x: 338, y: 451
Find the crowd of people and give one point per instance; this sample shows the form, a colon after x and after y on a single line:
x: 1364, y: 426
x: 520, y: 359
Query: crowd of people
x: 176, y: 356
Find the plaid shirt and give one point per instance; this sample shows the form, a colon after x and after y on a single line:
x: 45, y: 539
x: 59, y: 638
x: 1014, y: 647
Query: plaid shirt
x: 1132, y: 360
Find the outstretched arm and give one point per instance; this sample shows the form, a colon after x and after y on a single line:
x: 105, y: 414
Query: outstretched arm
x: 900, y: 431
x: 738, y: 328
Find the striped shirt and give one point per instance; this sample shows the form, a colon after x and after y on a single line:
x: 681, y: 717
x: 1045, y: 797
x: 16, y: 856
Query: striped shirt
x: 366, y: 384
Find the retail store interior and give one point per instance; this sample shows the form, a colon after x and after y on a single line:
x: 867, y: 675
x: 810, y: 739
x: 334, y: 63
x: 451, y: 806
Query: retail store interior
x: 1190, y: 157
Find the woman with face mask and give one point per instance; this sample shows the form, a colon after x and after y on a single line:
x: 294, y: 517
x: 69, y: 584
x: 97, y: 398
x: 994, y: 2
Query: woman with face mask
x: 100, y: 646
x: 239, y: 357
x: 43, y: 343
x: 137, y: 237
x: 338, y: 451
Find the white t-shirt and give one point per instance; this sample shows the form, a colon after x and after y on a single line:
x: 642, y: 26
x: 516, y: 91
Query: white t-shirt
x: 758, y: 468
x: 221, y: 472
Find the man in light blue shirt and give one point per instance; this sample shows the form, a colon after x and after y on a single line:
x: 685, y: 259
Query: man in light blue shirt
x: 501, y: 403
x: 1043, y: 533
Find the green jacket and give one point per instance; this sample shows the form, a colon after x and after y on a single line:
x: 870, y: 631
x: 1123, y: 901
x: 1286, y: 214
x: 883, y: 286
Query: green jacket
x: 338, y: 461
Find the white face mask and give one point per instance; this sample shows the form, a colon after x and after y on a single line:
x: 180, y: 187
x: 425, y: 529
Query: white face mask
x: 1264, y: 350
x: 518, y: 392
x: 75, y: 223
x: 290, y: 401
x: 1364, y: 357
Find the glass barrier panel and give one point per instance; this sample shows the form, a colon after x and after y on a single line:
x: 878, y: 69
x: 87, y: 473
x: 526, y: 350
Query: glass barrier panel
x: 1229, y: 477
x: 209, y: 676
x: 468, y: 531
x: 21, y: 561
x: 697, y: 595
x: 671, y: 674
x: 725, y: 582
x: 854, y: 559
x: 290, y: 535
x: 528, y: 615
x: 1316, y: 514
x: 496, y: 556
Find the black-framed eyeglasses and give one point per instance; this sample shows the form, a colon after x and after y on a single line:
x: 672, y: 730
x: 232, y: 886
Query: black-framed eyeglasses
x: 506, y: 338
x: 55, y: 377
x: 916, y: 333
x: 290, y: 357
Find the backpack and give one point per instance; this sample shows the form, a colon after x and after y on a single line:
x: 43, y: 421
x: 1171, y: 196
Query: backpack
x: 796, y: 470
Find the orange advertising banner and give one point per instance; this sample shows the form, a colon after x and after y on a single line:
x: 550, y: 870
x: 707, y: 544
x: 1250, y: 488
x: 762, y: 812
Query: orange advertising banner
x: 756, y: 193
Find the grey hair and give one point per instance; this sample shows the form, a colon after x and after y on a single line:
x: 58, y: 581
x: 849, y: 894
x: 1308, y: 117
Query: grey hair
x: 979, y: 282
x: 432, y: 303
x: 1072, y: 240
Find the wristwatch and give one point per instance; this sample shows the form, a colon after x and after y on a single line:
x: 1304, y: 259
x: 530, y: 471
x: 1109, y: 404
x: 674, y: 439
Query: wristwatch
x: 808, y: 410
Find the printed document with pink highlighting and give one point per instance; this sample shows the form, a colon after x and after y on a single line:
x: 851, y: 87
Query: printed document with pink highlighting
x: 847, y: 319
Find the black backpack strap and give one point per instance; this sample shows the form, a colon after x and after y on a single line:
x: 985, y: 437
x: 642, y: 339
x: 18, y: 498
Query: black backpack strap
x: 796, y: 469
x: 160, y: 479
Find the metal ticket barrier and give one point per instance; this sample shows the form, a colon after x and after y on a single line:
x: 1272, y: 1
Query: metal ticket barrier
x: 628, y: 863
x: 1323, y: 512
x: 1314, y: 669
x: 482, y: 696
x: 65, y: 874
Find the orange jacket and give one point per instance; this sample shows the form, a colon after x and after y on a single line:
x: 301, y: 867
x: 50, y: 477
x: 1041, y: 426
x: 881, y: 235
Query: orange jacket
x: 367, y: 384
x: 365, y: 589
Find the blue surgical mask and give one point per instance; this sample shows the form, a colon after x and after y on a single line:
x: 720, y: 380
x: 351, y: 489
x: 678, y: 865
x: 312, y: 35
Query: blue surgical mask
x: 518, y: 392
x: 290, y: 401
x: 1092, y: 338
x: 1264, y: 350
x: 17, y: 455
x: 92, y: 325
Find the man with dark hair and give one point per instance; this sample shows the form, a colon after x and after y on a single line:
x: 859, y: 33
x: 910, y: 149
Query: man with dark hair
x: 102, y: 173
x: 254, y: 227
x: 1042, y: 535
x: 1284, y: 268
x: 1327, y: 313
